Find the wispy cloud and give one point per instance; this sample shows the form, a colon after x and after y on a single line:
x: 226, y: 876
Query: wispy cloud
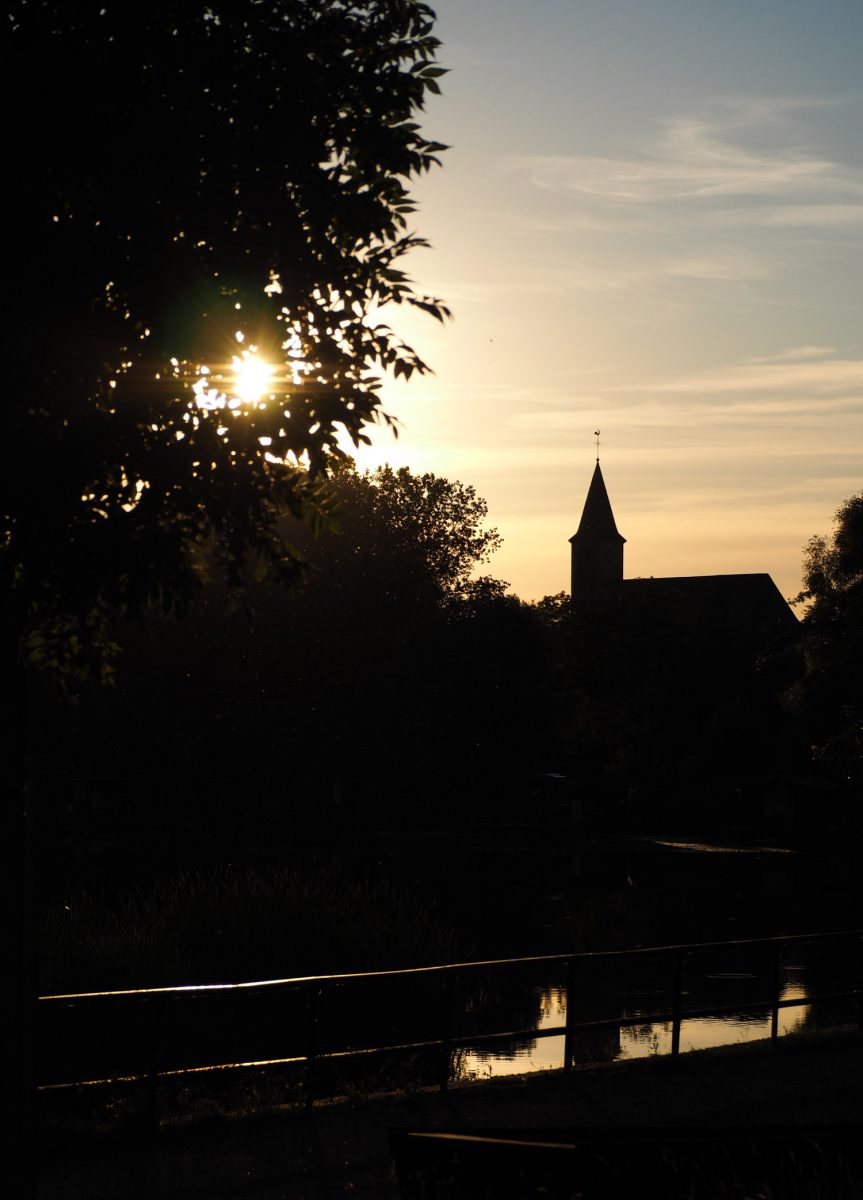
x: 563, y: 276
x: 812, y: 378
x: 792, y: 393
x: 722, y: 268
x: 825, y: 215
x: 796, y: 353
x: 697, y: 160
x: 576, y: 222
x: 728, y: 418
x: 684, y: 213
x: 748, y: 109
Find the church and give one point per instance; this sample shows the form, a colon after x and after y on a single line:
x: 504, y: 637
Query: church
x: 750, y: 602
x: 682, y: 677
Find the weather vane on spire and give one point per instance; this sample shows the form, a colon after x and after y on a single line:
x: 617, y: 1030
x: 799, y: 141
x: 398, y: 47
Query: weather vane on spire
x: 596, y: 435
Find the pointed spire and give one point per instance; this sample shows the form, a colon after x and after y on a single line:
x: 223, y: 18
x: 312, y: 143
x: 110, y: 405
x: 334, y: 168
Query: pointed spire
x: 597, y: 520
x: 597, y: 547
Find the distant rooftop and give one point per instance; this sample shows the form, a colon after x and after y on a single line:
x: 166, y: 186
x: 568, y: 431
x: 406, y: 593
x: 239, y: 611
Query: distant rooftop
x: 753, y: 598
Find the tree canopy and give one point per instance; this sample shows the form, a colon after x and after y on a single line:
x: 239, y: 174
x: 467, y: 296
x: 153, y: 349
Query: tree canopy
x: 833, y: 567
x: 209, y: 183
x: 391, y: 669
x: 422, y: 535
x: 829, y: 695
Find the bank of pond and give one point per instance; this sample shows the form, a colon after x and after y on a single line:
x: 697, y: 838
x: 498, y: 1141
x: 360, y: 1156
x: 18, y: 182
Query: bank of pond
x: 369, y: 912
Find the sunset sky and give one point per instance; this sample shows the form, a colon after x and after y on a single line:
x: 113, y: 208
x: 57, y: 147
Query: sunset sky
x: 649, y: 223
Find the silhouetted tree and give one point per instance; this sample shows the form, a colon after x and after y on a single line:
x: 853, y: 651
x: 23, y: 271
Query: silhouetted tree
x: 390, y: 668
x: 833, y: 568
x: 187, y: 182
x: 830, y: 698
x: 206, y: 179
x: 401, y: 535
x: 377, y: 613
x: 453, y: 659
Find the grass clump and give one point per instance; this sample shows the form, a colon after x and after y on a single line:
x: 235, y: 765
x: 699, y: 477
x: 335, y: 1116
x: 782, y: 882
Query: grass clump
x: 237, y: 923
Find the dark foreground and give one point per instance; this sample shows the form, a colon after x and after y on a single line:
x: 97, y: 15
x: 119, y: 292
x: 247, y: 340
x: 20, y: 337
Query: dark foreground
x: 808, y: 1085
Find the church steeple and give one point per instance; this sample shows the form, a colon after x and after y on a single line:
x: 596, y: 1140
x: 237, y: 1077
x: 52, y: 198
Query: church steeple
x: 597, y: 547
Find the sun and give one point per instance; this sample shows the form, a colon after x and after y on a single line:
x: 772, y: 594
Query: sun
x: 252, y: 377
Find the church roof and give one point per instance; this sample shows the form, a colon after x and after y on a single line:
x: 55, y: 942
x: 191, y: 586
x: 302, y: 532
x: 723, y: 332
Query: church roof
x: 751, y: 600
x: 597, y: 519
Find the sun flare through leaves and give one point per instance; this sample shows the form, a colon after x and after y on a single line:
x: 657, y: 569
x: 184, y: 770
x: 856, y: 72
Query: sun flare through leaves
x: 252, y: 377
x: 248, y: 382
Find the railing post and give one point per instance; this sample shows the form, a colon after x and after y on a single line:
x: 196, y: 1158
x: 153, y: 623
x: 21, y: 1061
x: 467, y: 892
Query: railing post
x: 445, y: 1030
x: 155, y: 1033
x: 313, y: 995
x: 777, y: 990
x: 569, y: 1036
x: 677, y: 1006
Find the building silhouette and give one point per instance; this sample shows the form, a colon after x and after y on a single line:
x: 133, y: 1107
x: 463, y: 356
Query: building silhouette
x: 745, y: 602
x: 597, y: 547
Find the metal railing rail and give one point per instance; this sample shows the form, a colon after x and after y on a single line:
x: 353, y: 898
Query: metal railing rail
x: 314, y: 985
x: 565, y: 957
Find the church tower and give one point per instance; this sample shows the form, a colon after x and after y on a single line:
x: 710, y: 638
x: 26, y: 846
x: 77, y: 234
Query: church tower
x: 597, y: 547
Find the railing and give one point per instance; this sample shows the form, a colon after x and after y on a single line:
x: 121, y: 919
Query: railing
x: 313, y: 990
x: 801, y: 1160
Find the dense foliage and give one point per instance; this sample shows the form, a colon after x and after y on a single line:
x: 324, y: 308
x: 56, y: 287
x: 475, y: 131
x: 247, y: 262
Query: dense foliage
x: 833, y: 567
x: 829, y: 697
x: 415, y: 532
x: 204, y: 179
x: 391, y: 679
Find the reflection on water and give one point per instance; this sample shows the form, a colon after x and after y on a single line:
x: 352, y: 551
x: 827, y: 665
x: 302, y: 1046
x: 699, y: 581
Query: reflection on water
x: 644, y: 1039
x: 540, y: 1055
x: 672, y: 892
x: 703, y: 1032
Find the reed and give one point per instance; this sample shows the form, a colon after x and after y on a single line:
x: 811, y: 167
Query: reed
x: 236, y: 923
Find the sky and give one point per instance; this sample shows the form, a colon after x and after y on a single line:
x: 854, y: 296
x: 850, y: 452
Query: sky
x: 649, y: 223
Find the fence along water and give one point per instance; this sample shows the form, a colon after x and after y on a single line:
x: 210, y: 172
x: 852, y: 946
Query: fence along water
x: 145, y: 1036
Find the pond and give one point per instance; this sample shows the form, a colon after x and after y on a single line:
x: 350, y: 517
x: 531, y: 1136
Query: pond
x: 557, y: 898
x: 569, y: 893
x: 805, y: 971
